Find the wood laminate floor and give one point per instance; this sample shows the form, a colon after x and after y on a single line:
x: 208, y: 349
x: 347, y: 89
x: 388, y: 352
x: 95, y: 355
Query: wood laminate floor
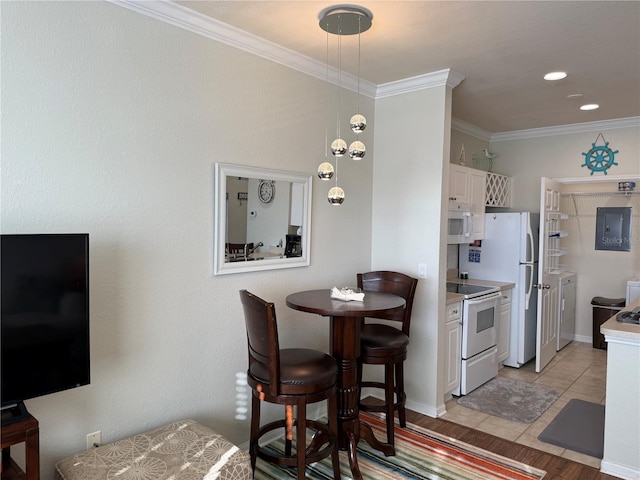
x: 556, y: 467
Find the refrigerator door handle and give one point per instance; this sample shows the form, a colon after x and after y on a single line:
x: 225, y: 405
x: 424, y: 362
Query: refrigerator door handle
x: 531, y: 266
x: 530, y: 258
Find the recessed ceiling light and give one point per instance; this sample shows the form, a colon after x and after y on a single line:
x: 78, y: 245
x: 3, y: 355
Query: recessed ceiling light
x: 574, y: 96
x: 555, y: 76
x: 590, y: 106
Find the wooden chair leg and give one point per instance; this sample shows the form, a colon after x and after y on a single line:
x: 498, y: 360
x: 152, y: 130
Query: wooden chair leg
x: 332, y: 412
x: 288, y: 429
x: 400, y: 394
x: 389, y: 400
x: 255, y: 428
x: 301, y: 439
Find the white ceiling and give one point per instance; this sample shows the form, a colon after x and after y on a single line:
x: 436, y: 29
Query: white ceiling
x: 501, y: 48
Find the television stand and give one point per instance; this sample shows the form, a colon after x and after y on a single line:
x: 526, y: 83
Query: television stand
x: 26, y: 431
x: 14, y: 413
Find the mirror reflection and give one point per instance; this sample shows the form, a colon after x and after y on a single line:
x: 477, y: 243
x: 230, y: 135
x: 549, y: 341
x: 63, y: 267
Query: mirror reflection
x: 262, y: 219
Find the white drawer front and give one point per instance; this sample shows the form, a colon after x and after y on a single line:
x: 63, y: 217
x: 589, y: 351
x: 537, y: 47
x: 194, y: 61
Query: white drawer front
x: 479, y: 370
x: 506, y: 296
x: 454, y: 311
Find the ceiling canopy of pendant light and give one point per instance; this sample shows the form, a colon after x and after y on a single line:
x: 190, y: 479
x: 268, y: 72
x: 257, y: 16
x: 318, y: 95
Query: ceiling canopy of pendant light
x: 345, y: 20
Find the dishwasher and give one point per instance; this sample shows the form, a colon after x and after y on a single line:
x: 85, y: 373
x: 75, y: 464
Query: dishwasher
x: 566, y: 309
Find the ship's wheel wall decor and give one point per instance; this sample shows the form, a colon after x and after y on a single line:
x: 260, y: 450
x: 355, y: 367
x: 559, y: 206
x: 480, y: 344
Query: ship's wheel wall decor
x: 599, y: 158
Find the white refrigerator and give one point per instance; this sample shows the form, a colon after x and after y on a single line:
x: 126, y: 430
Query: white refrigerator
x: 509, y: 253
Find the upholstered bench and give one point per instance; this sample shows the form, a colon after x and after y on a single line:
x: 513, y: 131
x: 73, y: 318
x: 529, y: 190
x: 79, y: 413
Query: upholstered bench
x: 183, y: 450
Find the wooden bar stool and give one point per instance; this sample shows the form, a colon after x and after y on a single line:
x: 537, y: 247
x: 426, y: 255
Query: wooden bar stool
x: 289, y: 377
x: 382, y: 344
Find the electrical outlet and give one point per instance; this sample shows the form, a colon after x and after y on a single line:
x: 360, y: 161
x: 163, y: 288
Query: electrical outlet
x: 94, y: 439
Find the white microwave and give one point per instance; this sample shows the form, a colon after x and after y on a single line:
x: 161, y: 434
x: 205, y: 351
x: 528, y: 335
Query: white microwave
x: 460, y: 224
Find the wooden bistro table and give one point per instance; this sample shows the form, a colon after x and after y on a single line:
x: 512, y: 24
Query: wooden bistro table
x: 345, y: 348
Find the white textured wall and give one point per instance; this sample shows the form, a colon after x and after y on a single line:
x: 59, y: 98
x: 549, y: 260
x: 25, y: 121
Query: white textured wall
x: 560, y: 156
x: 599, y: 273
x: 470, y: 143
x: 111, y: 123
x: 412, y: 161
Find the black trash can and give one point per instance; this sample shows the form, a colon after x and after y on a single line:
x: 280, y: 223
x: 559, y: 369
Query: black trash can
x: 603, y: 310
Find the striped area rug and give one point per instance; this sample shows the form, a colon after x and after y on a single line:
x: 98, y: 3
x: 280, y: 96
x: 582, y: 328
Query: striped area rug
x: 420, y: 454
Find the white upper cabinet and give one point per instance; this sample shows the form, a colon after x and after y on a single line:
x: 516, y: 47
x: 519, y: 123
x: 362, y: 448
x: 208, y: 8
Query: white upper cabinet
x: 459, y: 184
x: 468, y: 186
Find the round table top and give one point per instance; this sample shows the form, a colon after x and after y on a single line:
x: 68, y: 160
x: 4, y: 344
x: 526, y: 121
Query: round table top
x: 320, y: 302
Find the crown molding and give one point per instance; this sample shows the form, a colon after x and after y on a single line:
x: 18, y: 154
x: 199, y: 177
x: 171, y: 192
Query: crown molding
x: 449, y: 78
x: 470, y: 129
x: 630, y: 122
x: 195, y: 22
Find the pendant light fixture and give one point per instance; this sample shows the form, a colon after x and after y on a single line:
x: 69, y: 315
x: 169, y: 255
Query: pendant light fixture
x: 340, y: 21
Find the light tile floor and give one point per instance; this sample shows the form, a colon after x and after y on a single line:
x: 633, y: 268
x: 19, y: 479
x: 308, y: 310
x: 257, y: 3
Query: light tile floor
x: 577, y: 371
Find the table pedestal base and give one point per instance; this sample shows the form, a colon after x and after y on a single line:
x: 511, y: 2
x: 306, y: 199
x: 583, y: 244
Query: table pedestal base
x: 344, y: 331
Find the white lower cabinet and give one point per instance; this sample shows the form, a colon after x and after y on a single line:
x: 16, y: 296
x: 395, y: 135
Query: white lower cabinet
x: 453, y: 329
x: 504, y: 328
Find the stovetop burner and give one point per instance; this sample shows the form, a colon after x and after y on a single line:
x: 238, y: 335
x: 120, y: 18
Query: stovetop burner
x: 470, y: 291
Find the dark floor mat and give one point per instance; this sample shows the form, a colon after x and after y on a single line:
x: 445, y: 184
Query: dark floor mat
x: 579, y: 427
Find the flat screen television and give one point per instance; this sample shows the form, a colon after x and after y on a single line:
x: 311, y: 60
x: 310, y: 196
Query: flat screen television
x: 45, y: 317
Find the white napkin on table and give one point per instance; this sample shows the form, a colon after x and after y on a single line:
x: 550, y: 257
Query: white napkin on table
x: 346, y: 294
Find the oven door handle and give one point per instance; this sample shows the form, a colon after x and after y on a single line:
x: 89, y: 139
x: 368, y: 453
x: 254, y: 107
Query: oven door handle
x: 477, y: 300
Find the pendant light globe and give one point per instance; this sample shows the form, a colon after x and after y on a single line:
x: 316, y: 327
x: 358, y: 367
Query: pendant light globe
x: 325, y: 171
x: 357, y: 150
x: 336, y: 196
x: 358, y: 123
x: 338, y: 147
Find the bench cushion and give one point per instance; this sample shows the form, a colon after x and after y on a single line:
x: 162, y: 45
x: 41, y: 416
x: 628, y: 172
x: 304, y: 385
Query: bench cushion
x: 183, y: 450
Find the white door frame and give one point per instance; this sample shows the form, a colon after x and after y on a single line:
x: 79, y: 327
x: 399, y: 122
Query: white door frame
x: 542, y: 319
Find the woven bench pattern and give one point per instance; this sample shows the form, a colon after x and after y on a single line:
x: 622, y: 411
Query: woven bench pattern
x: 183, y: 450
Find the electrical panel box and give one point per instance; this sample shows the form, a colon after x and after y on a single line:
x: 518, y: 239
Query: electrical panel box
x: 613, y: 228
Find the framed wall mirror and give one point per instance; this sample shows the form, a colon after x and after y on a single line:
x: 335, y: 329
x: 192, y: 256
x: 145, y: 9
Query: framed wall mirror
x: 262, y: 219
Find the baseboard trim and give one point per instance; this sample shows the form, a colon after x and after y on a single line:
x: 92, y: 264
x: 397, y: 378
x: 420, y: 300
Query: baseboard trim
x: 621, y: 471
